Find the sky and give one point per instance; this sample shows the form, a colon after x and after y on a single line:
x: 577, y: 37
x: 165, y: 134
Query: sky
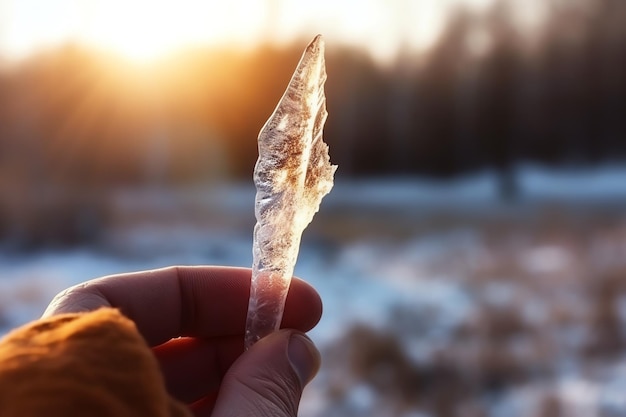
x: 148, y: 29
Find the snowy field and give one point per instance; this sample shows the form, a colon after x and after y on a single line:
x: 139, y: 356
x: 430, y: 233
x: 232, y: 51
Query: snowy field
x: 439, y: 298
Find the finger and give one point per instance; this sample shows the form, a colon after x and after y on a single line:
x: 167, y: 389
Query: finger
x: 268, y: 379
x: 194, y: 368
x: 204, y: 301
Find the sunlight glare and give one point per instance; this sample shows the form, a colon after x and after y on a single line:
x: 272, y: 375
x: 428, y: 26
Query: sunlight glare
x: 144, y: 30
x: 141, y: 30
x: 27, y: 25
x: 382, y: 27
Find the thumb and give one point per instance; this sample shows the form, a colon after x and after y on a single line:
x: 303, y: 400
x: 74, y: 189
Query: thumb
x: 268, y: 379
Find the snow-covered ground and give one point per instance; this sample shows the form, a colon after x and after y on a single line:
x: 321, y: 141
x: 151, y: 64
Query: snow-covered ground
x: 439, y: 298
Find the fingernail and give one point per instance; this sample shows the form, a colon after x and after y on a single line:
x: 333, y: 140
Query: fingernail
x: 304, y: 357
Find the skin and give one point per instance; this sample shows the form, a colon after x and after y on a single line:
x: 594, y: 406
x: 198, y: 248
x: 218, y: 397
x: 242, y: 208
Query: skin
x: 194, y: 319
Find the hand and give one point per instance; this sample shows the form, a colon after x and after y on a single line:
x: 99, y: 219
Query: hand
x: 194, y: 318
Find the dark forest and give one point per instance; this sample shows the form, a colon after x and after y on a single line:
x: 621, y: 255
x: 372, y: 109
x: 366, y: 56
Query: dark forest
x: 485, y: 95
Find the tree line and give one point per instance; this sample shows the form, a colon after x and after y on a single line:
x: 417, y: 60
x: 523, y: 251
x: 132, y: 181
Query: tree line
x: 486, y: 95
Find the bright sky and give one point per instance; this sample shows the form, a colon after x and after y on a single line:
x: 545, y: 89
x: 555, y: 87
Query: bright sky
x: 146, y: 29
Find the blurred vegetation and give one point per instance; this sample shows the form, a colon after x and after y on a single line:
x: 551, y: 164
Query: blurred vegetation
x: 530, y: 328
x: 77, y: 122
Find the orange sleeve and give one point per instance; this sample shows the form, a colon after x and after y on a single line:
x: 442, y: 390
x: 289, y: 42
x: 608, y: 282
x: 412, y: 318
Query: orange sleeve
x: 88, y: 364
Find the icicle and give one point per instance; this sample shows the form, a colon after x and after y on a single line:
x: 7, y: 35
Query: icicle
x: 292, y: 175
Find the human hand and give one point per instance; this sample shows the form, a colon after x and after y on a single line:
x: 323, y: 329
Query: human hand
x: 194, y: 318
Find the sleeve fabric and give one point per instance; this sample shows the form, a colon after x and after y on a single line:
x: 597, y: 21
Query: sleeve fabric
x: 86, y: 364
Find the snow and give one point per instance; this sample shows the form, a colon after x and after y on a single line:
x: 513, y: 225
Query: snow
x: 422, y: 285
x: 537, y: 184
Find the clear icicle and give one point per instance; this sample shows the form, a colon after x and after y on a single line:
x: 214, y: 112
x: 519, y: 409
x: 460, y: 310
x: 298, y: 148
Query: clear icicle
x: 292, y: 175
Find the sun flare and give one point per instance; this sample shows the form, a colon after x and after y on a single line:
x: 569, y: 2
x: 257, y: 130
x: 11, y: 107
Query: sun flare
x: 144, y: 30
x: 141, y: 30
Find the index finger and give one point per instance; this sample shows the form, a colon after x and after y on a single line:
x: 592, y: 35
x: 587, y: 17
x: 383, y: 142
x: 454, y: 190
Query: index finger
x: 198, y: 301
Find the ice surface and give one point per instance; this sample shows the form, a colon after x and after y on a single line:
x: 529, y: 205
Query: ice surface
x: 292, y: 175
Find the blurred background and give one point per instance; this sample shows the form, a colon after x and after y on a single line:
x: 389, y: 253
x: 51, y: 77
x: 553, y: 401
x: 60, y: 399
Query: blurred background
x: 472, y: 255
